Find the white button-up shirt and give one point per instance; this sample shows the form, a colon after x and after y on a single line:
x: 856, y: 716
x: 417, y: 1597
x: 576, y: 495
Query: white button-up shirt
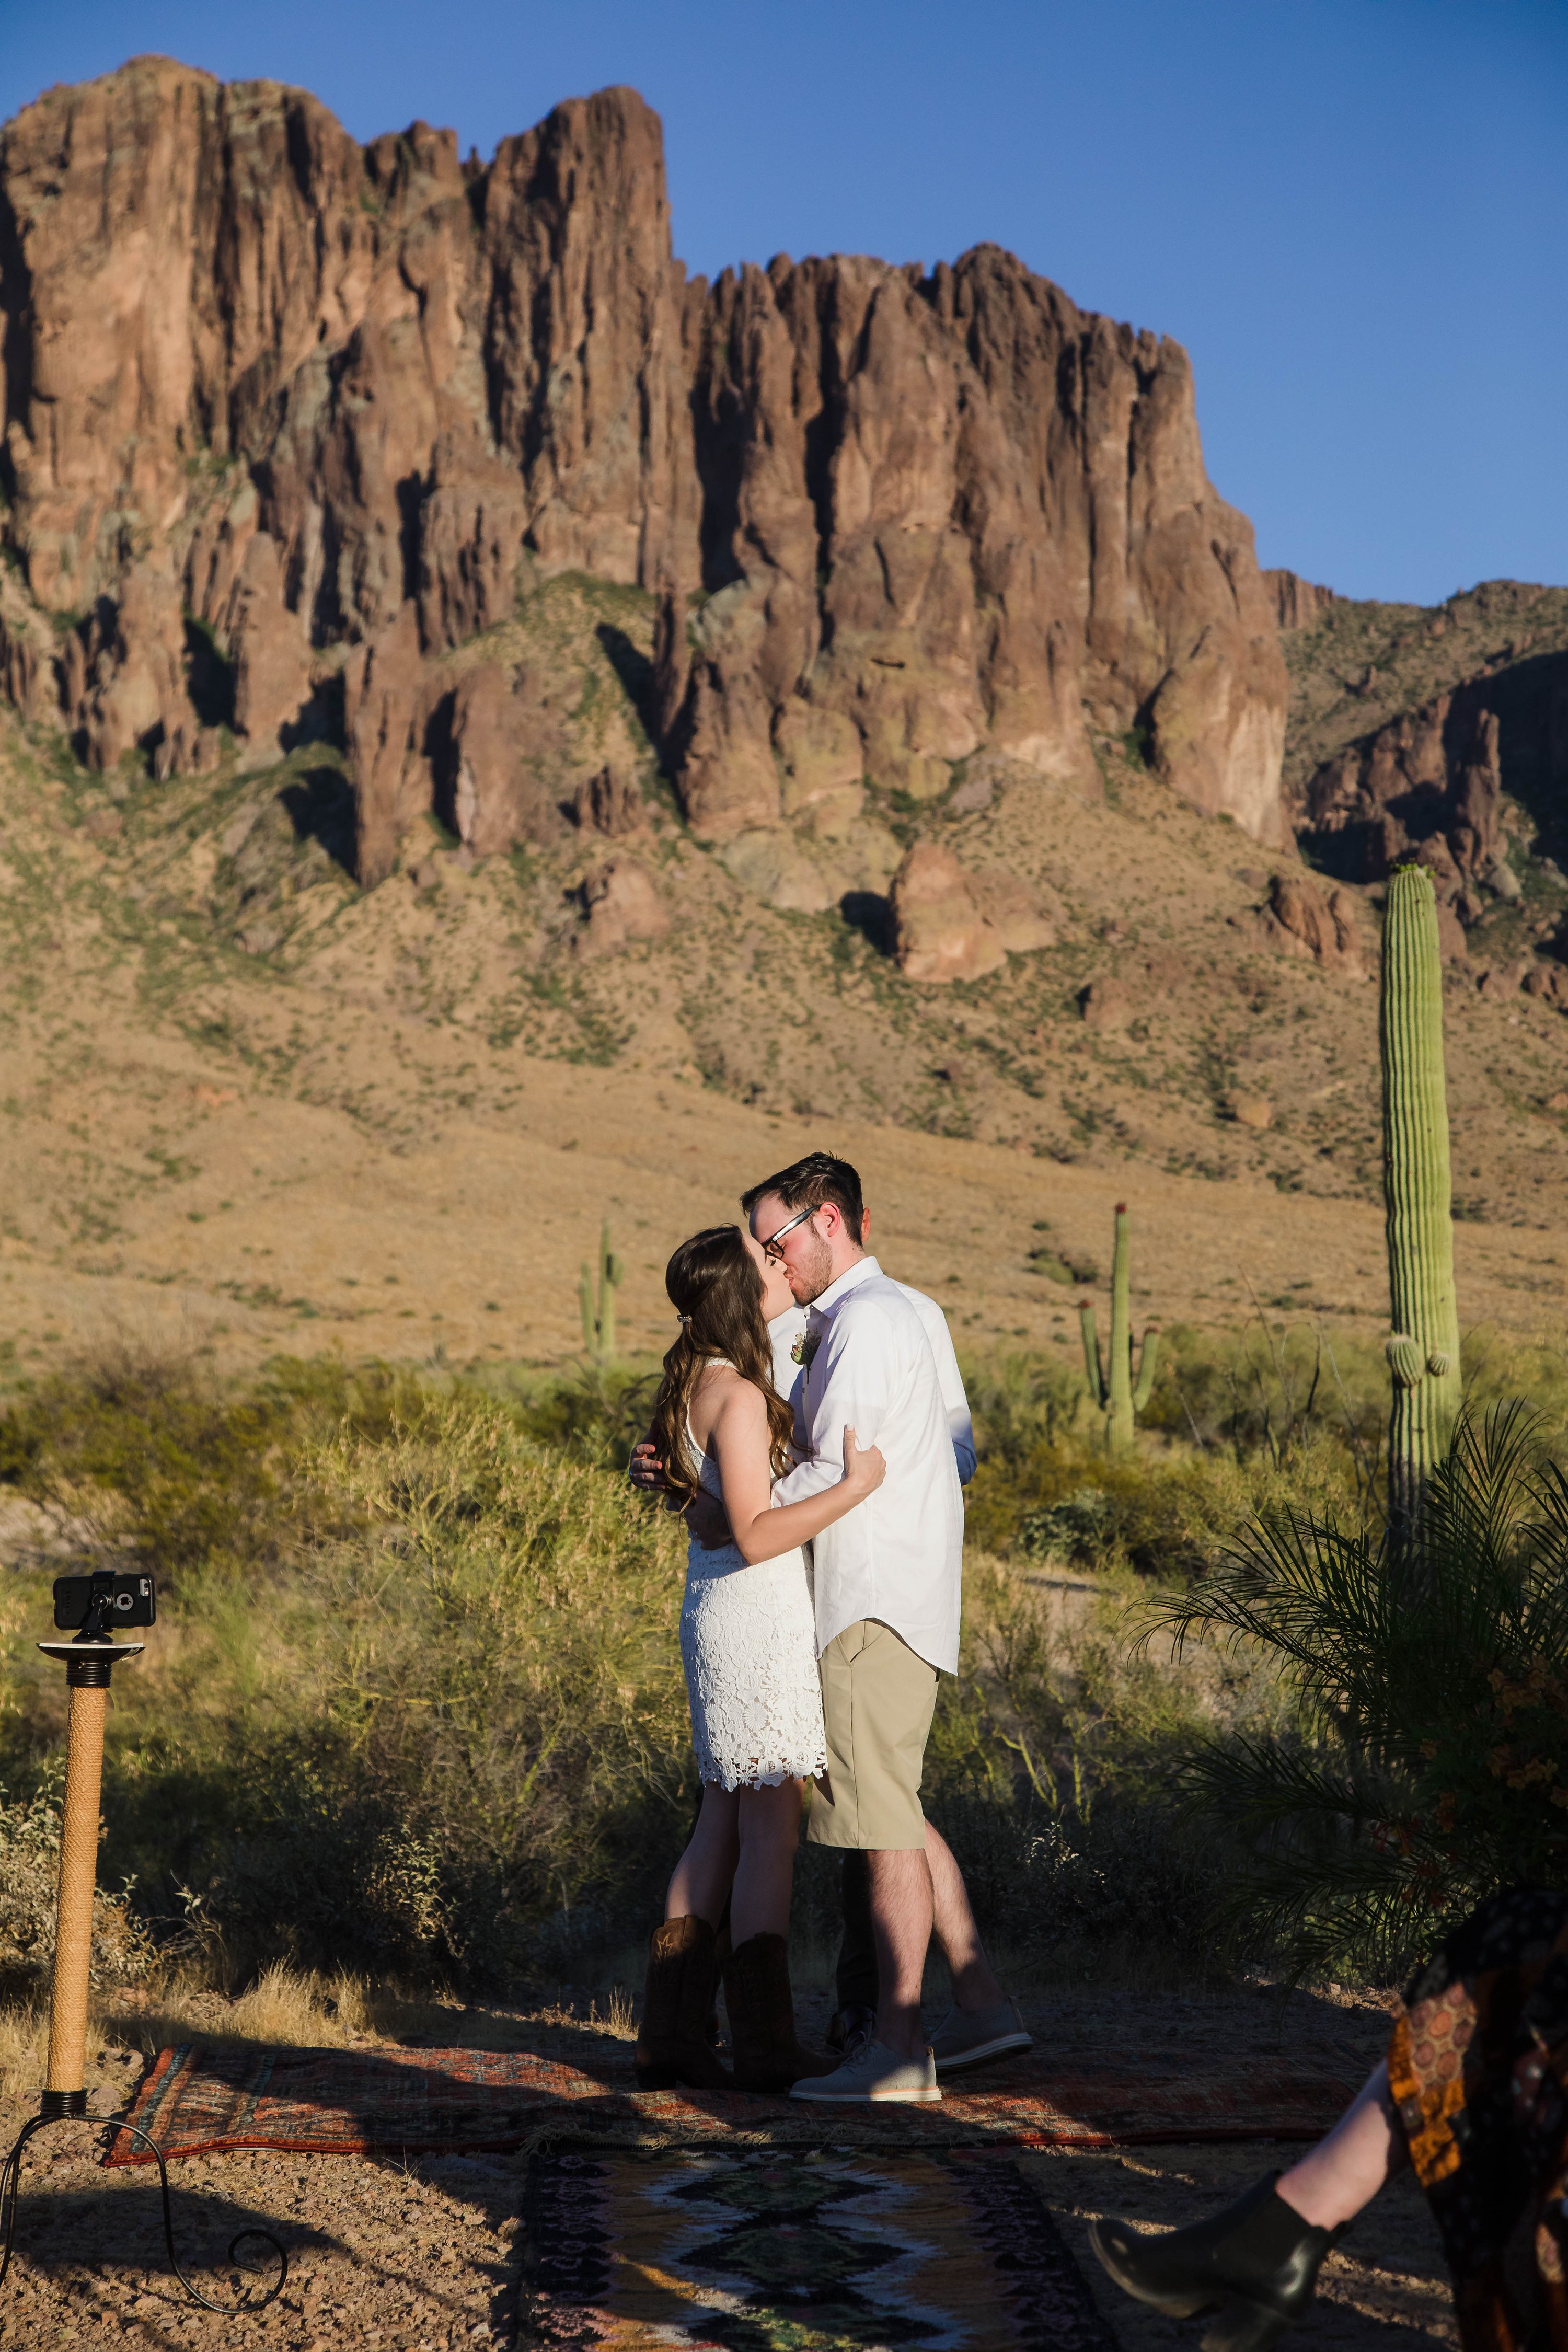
x: 898, y: 1557
x: 786, y: 1329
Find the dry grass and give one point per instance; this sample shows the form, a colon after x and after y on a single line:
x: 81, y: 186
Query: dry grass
x: 401, y: 1139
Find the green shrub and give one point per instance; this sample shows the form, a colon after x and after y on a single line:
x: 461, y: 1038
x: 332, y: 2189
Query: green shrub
x: 29, y: 1873
x: 1427, y: 1762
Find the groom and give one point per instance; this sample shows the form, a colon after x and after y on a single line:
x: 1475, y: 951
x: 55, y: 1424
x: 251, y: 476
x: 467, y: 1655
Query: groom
x: 888, y: 1584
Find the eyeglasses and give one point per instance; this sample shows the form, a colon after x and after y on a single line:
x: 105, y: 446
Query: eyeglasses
x: 771, y: 1246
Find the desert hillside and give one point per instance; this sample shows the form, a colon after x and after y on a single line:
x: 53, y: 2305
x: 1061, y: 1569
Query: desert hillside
x: 498, y: 735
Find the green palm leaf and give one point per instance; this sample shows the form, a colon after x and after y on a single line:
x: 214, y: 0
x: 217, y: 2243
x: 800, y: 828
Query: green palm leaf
x: 1428, y: 1764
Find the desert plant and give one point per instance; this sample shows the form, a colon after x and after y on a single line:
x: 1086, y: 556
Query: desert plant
x: 596, y: 1291
x: 1123, y: 1393
x: 1430, y: 1761
x: 1423, y: 1346
x: 29, y: 1873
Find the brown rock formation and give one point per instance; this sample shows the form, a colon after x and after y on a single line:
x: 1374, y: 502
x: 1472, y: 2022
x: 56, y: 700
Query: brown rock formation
x: 497, y: 800
x: 949, y: 924
x: 610, y: 803
x: 939, y: 932
x: 1431, y: 776
x: 1298, y: 604
x: 381, y: 691
x: 121, y: 674
x: 1007, y: 518
x: 270, y: 657
x: 1313, y: 922
x: 620, y: 903
x: 334, y: 392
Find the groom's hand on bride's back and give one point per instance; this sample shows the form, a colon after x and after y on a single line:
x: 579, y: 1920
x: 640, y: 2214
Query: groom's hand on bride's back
x: 646, y: 1470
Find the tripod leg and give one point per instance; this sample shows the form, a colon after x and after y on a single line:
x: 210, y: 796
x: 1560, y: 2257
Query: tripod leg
x: 10, y: 2189
x: 263, y: 2237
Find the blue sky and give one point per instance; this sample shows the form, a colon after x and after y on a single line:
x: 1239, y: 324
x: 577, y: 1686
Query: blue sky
x: 1353, y: 213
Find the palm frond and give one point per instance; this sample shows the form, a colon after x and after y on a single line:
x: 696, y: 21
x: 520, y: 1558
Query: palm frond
x: 1430, y: 1758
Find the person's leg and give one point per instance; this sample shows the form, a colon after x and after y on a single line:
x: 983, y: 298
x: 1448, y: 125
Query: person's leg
x: 1350, y: 2164
x: 700, y: 1884
x: 855, y: 1977
x: 974, y: 1988
x: 901, y: 1924
x: 769, y: 1833
x: 1256, y: 2262
x: 672, y: 2044
x: 878, y: 1697
x: 757, y: 1993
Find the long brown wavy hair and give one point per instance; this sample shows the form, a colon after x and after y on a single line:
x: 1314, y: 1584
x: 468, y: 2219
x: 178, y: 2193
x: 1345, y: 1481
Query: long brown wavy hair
x: 715, y: 1289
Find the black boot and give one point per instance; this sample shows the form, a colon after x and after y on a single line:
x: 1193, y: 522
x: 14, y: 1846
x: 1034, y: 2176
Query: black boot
x: 672, y: 2047
x: 1255, y: 2265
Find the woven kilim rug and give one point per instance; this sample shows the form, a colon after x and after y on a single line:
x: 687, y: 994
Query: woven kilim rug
x: 818, y: 2252
x: 356, y: 2102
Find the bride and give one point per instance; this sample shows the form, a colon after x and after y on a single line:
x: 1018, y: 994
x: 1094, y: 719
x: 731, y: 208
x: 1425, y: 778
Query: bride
x: 748, y: 1641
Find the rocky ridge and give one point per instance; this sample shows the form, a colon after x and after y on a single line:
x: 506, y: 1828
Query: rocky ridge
x: 289, y: 423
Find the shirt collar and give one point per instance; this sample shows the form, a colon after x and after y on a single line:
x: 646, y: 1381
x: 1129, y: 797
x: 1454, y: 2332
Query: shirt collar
x: 836, y: 1292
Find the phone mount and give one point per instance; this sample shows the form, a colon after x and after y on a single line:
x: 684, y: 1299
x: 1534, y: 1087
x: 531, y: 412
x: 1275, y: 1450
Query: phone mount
x: 94, y: 1605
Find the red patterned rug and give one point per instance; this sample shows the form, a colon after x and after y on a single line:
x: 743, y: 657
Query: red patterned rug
x: 356, y: 2102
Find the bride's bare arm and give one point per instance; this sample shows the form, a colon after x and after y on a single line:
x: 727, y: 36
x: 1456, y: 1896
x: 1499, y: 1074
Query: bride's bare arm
x: 739, y: 1443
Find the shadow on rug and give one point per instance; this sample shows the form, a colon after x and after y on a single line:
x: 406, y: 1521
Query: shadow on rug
x: 358, y: 2102
x: 818, y: 2252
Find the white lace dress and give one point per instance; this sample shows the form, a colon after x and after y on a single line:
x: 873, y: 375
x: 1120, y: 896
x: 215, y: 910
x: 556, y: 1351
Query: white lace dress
x: 748, y: 1641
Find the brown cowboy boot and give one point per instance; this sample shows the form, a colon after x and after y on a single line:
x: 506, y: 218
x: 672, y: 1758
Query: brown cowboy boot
x: 762, y: 2018
x: 672, y: 2048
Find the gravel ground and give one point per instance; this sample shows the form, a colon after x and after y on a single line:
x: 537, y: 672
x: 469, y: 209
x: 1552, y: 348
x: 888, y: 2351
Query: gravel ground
x: 423, y: 2257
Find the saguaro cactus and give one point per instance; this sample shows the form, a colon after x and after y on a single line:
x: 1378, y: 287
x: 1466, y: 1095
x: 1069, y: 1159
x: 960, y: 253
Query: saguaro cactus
x: 1123, y: 1395
x: 597, y: 1300
x: 1424, y: 1348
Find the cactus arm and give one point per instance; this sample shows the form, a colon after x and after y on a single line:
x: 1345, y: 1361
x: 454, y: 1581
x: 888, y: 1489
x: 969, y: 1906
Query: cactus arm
x: 1094, y: 1376
x: 1147, y: 1356
x: 609, y: 1275
x: 586, y: 1305
x: 1119, y: 1410
x: 1417, y: 1187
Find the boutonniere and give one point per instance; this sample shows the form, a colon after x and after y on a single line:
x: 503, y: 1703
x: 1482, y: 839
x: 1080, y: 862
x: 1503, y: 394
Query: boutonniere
x: 806, y: 1346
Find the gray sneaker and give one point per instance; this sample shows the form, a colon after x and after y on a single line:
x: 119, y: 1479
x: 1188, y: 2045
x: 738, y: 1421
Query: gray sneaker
x: 963, y: 2039
x: 871, y: 2072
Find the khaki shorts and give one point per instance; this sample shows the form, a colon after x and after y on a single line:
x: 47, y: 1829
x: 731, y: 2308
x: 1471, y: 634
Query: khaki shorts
x: 878, y: 1700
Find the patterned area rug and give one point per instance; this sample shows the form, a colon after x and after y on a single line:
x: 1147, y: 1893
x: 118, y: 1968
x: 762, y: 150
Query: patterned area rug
x: 792, y: 2251
x: 354, y: 2101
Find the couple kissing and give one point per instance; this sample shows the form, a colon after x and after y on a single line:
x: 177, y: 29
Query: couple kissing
x: 811, y: 1426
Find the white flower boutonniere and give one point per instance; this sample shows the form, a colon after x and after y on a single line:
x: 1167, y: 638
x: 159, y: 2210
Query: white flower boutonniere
x: 805, y: 1348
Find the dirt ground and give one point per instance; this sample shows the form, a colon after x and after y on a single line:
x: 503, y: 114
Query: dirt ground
x: 426, y: 2257
x: 396, y: 1131
x: 283, y: 1225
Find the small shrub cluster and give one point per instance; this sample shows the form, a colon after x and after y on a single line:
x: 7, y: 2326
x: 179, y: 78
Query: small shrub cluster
x: 415, y: 1705
x: 1423, y: 1762
x: 122, y: 1951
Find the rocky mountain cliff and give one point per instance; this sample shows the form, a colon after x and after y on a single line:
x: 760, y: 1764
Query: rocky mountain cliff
x: 289, y: 422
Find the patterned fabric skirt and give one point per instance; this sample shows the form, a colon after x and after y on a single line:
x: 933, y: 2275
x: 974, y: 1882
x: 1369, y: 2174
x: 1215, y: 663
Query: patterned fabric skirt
x: 1478, y: 2069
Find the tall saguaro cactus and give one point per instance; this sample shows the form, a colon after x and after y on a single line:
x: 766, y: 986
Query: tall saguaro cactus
x: 1122, y: 1394
x: 597, y: 1300
x: 1424, y: 1348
